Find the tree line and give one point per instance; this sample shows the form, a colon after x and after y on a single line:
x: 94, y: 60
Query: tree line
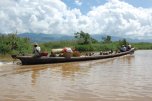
x: 12, y: 44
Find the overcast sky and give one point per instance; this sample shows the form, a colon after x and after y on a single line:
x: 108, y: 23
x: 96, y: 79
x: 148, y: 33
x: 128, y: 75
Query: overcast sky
x: 127, y: 18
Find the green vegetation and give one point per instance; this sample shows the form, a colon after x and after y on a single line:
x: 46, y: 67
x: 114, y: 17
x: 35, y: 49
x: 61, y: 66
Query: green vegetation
x: 142, y: 45
x: 100, y: 46
x: 12, y: 44
x: 57, y: 44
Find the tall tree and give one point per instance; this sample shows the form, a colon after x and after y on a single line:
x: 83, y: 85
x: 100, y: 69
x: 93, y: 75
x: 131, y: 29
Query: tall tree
x: 84, y: 38
x: 107, y: 39
x: 123, y: 42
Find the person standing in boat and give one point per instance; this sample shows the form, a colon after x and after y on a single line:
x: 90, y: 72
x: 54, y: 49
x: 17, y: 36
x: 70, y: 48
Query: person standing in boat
x: 36, y: 50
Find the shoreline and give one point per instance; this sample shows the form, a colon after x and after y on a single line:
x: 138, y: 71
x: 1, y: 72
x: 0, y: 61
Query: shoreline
x: 6, y: 58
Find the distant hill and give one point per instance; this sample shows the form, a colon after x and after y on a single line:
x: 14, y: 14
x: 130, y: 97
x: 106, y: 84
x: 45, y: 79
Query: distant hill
x: 59, y: 37
x: 115, y: 38
x: 45, y: 37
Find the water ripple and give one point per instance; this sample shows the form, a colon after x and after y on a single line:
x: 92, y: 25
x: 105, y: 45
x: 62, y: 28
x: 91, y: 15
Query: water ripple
x: 127, y: 78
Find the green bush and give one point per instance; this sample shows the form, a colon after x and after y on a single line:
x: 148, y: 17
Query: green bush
x: 11, y: 44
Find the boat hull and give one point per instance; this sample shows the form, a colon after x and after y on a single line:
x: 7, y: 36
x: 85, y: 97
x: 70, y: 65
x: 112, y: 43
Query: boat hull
x: 29, y: 60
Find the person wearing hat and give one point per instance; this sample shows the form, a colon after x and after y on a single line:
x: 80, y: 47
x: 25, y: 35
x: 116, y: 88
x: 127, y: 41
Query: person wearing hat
x: 123, y: 48
x: 36, y: 50
x: 128, y: 47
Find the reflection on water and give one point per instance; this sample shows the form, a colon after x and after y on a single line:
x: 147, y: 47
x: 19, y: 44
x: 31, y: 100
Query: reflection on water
x: 127, y: 78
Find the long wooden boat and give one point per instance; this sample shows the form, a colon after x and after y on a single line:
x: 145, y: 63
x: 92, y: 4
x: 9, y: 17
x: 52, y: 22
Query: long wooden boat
x: 29, y: 60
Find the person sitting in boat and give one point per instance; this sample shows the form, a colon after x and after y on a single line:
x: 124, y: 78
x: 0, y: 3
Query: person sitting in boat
x: 128, y: 47
x: 123, y: 48
x: 36, y: 50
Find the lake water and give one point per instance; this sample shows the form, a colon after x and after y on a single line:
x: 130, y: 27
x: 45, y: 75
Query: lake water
x: 126, y: 78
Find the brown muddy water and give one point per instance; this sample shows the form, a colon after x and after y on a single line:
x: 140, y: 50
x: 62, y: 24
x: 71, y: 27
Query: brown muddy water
x: 126, y: 78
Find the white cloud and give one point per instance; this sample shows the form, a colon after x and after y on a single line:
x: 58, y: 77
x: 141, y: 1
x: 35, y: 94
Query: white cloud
x: 121, y: 19
x: 78, y: 2
x: 115, y: 18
